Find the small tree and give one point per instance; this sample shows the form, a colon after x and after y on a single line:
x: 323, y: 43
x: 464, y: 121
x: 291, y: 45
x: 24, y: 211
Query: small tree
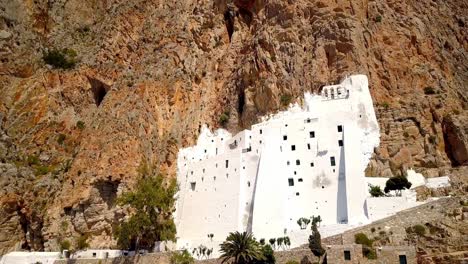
x: 303, y: 222
x: 316, y: 220
x: 181, y: 257
x: 375, y: 191
x: 367, y: 250
x: 64, y: 59
x: 272, y: 242
x: 153, y: 203
x: 397, y: 184
x: 315, y: 242
x: 81, y: 242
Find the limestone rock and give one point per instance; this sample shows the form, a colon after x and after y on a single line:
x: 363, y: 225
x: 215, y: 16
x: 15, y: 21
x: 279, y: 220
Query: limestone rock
x: 150, y: 73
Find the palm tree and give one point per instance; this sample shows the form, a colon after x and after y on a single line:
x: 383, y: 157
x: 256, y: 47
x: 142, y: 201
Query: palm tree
x: 242, y: 248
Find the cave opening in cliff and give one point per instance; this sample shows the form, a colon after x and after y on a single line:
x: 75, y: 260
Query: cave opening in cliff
x: 99, y: 90
x: 108, y: 190
x: 229, y: 16
x: 240, y: 102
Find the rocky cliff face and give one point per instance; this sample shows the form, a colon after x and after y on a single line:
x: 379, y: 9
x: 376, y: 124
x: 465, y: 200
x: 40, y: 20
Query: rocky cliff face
x: 150, y: 72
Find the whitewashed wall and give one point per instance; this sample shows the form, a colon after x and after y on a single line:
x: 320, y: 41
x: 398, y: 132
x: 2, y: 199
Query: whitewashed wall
x: 278, y: 172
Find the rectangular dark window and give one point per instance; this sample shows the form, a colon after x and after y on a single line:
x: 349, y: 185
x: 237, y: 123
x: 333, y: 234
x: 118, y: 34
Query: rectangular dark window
x: 285, y: 137
x: 312, y: 134
x: 293, y: 147
x: 402, y: 259
x: 347, y: 255
x: 311, y: 164
x: 300, y: 180
x: 332, y: 161
x: 94, y: 254
x: 291, y: 182
x: 193, y: 185
x: 340, y: 143
x: 298, y: 162
x: 261, y: 131
x: 308, y: 146
x: 288, y: 162
x: 340, y: 128
x: 227, y: 163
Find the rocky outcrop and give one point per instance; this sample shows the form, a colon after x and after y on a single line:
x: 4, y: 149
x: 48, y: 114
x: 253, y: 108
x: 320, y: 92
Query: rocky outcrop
x: 456, y: 138
x: 150, y: 73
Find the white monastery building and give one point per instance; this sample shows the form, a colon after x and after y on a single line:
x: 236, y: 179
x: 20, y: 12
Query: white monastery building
x: 307, y: 161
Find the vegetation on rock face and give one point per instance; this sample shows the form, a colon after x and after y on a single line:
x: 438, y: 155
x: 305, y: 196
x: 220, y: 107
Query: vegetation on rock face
x: 376, y: 191
x: 80, y: 125
x: 182, y: 257
x: 152, y: 203
x: 81, y: 242
x: 397, y: 184
x: 224, y: 118
x: 60, y: 59
x: 419, y: 230
x: 65, y: 245
x: 315, y: 242
x: 367, y: 250
x: 285, y: 99
x: 241, y: 248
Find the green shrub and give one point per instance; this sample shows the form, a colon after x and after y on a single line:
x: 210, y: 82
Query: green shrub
x: 378, y: 18
x: 80, y: 125
x: 61, y: 138
x: 42, y: 170
x: 375, y: 191
x: 372, y: 229
x: 429, y: 90
x: 386, y: 105
x: 292, y: 262
x: 81, y: 242
x: 60, y: 59
x: 382, y: 233
x: 64, y: 225
x: 285, y: 99
x: 65, y: 245
x: 32, y: 160
x: 181, y: 257
x: 224, y: 118
x: 405, y: 134
x: 369, y: 253
x: 419, y: 230
x: 362, y: 239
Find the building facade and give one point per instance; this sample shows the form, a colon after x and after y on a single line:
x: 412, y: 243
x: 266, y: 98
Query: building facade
x: 307, y: 161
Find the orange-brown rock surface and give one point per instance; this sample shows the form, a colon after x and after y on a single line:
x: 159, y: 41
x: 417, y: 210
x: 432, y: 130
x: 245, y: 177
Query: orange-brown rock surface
x: 151, y: 72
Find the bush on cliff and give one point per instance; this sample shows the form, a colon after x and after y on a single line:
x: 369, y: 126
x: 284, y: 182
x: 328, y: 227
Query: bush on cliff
x: 60, y: 59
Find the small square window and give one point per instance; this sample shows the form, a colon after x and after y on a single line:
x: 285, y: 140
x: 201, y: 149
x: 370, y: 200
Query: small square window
x: 312, y: 134
x: 293, y: 147
x: 94, y: 254
x: 298, y: 162
x: 285, y: 137
x: 295, y: 172
x: 297, y: 194
x: 308, y: 145
x: 340, y: 128
x: 291, y: 182
x: 347, y: 255
x: 332, y: 161
x: 261, y: 131
x: 311, y: 164
x: 260, y: 142
x: 248, y: 183
x: 300, y: 180
x: 287, y: 163
x: 193, y: 185
x: 340, y: 143
x: 308, y: 120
